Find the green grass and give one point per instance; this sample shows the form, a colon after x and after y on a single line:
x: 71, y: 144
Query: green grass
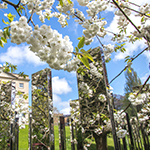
x: 56, y: 133
x: 23, y: 139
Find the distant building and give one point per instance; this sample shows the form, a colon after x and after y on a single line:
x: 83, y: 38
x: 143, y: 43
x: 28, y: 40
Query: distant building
x: 21, y: 84
x: 56, y: 118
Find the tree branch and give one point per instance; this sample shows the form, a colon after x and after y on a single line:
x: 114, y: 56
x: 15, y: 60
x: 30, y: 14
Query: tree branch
x: 132, y: 59
x: 136, y: 94
x: 10, y: 3
x: 143, y: 85
x: 135, y: 11
x: 126, y: 16
x: 132, y: 3
x: 14, y: 5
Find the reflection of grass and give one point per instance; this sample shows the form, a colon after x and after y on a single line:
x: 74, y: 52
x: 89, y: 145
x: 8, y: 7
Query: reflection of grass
x: 23, y: 139
x: 56, y: 132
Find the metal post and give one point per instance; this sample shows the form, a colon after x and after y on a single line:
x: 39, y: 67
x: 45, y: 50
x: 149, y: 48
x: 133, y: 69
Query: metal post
x: 111, y: 113
x: 62, y: 133
x: 50, y: 108
x: 17, y: 131
x: 30, y: 130
x: 11, y: 132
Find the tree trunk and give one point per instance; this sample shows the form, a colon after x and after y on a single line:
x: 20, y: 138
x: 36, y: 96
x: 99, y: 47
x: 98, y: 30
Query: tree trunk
x: 101, y: 141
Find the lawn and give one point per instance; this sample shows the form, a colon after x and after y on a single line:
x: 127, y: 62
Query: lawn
x: 23, y: 139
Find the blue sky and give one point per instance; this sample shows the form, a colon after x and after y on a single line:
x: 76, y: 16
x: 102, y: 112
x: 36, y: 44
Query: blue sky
x: 65, y: 84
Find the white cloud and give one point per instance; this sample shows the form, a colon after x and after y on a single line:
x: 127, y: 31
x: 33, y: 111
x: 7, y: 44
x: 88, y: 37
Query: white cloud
x: 143, y: 79
x: 74, y: 27
x: 147, y: 55
x: 60, y: 86
x: 65, y: 111
x: 56, y: 99
x: 130, y: 50
x: 62, y: 106
x: 139, y: 2
x: 18, y: 55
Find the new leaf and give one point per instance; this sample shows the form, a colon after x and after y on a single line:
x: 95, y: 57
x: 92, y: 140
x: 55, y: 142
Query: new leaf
x: 81, y: 42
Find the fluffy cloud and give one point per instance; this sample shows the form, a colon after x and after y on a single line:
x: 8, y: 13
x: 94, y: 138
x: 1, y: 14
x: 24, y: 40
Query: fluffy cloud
x: 62, y: 106
x: 144, y: 78
x: 60, y: 86
x: 65, y: 111
x: 130, y: 50
x: 18, y: 55
x: 147, y: 55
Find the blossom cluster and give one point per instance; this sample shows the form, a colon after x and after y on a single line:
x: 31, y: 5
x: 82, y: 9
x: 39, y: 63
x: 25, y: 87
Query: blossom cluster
x: 45, y: 42
x: 93, y: 27
x: 137, y: 100
x: 95, y: 71
x: 67, y: 8
x: 43, y: 9
x: 102, y: 98
x: 94, y: 7
x: 3, y: 5
x: 20, y: 31
x: 121, y: 133
x: 85, y: 89
x: 108, y: 49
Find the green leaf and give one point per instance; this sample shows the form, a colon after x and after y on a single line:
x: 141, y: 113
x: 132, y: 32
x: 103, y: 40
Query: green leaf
x: 66, y: 22
x: 77, y: 50
x: 5, y: 22
x: 79, y: 38
x: 10, y: 17
x: 142, y: 20
x: 148, y: 14
x: 84, y: 60
x: 69, y: 1
x: 3, y: 39
x: 87, y: 55
x: 61, y: 3
x: 81, y: 42
x: 129, y: 70
x: 8, y: 32
x: 108, y: 60
x: 1, y: 43
x: 4, y: 34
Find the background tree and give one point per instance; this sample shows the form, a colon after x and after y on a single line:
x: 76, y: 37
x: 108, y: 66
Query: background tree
x: 55, y: 110
x: 132, y: 80
x: 118, y: 101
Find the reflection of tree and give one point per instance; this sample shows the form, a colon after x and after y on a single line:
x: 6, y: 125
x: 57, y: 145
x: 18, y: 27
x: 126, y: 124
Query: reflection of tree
x: 41, y: 106
x: 5, y: 114
x: 92, y: 102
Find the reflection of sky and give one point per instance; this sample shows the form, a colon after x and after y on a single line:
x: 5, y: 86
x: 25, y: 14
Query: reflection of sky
x: 13, y: 94
x: 29, y: 64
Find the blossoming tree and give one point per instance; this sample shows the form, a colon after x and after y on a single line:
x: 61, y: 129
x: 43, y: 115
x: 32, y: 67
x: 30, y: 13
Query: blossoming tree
x: 57, y: 50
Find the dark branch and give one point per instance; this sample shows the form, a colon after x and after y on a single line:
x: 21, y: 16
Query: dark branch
x: 132, y: 59
x: 143, y: 85
x: 14, y: 5
x: 136, y: 94
x: 126, y: 16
